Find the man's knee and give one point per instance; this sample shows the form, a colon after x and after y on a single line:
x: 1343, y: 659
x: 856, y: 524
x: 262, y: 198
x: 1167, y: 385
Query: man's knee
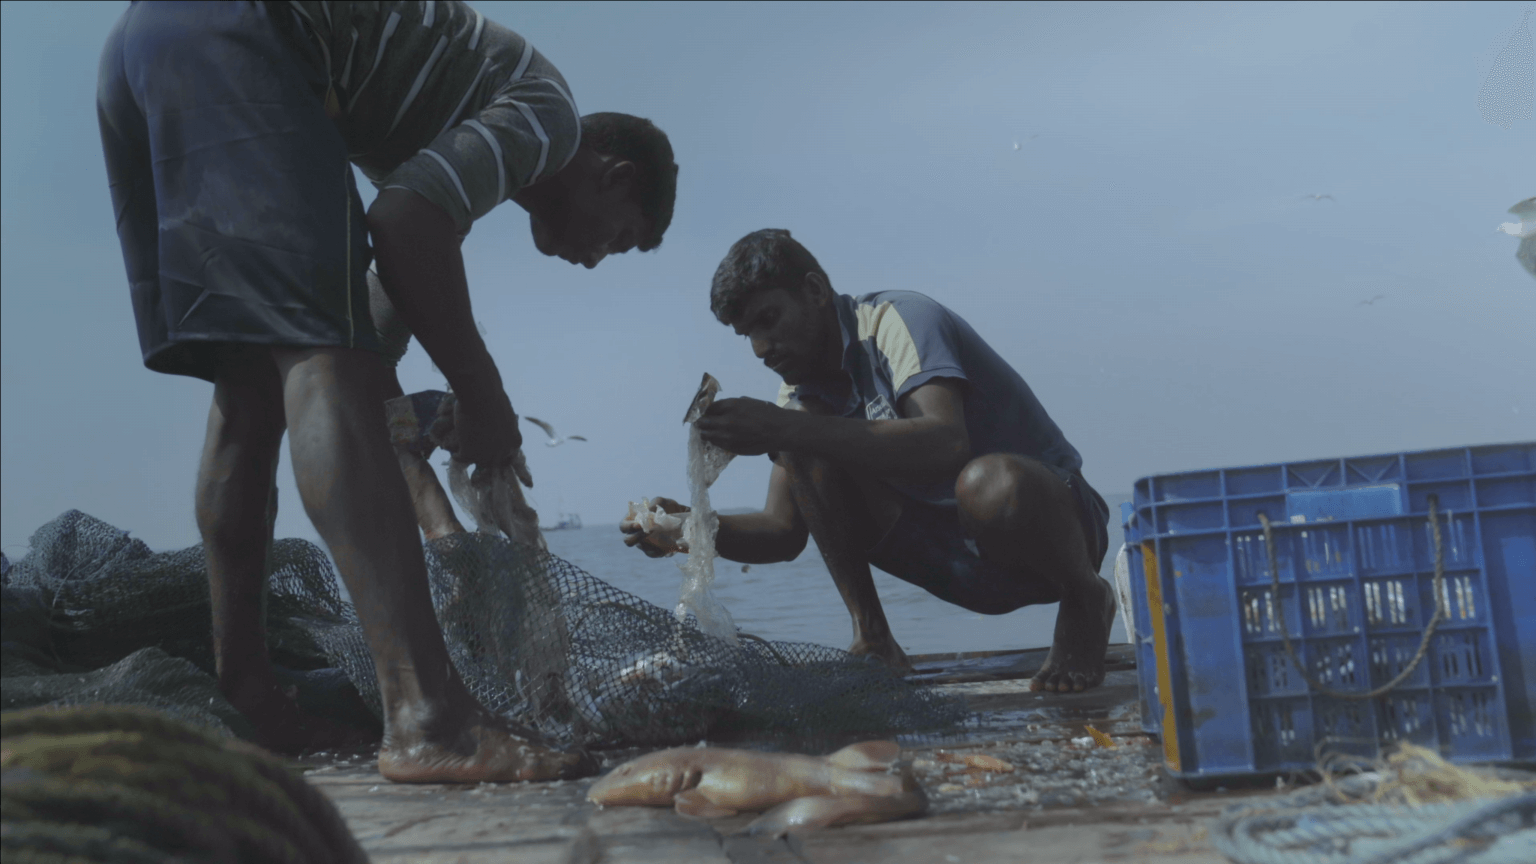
x: 345, y: 379
x: 999, y: 489
x: 248, y: 399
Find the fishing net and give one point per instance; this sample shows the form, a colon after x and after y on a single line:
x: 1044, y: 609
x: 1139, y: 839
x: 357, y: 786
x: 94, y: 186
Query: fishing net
x: 92, y: 615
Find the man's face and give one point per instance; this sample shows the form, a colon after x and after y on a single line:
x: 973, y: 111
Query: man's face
x: 789, y: 332
x: 600, y: 217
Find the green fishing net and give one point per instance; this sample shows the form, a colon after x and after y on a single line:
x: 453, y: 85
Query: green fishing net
x: 93, y: 615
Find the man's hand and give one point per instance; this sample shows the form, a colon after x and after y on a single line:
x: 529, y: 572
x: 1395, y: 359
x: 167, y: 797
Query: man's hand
x: 654, y: 545
x: 747, y: 427
x: 481, y: 431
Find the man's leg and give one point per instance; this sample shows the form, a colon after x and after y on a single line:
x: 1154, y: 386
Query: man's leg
x: 847, y: 517
x: 1024, y: 517
x: 353, y: 491
x: 236, y: 505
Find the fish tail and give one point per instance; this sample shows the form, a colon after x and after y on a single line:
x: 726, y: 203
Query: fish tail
x: 867, y: 756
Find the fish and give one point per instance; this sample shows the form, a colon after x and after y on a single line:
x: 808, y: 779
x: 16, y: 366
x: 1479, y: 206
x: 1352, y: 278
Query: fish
x: 826, y: 811
x: 710, y: 782
x: 661, y: 667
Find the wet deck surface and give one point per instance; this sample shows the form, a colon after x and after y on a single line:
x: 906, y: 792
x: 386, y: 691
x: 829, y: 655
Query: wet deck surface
x: 1066, y: 799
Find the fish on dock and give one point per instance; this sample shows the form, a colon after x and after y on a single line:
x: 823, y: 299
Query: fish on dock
x: 827, y: 811
x: 851, y: 785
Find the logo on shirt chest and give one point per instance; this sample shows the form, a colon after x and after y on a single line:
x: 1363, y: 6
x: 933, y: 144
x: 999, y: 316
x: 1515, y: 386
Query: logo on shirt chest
x: 879, y: 409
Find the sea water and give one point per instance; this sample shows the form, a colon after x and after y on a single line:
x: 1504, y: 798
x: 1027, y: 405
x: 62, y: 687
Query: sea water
x: 795, y: 601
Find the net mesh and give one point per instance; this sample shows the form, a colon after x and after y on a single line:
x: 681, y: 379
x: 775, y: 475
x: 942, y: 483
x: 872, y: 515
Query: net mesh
x: 92, y: 615
x: 1509, y: 76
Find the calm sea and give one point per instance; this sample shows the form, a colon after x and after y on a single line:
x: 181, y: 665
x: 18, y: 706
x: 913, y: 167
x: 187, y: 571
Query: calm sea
x: 796, y: 601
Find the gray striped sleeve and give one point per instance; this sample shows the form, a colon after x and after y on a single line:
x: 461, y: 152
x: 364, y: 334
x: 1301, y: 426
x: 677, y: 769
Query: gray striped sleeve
x: 526, y: 134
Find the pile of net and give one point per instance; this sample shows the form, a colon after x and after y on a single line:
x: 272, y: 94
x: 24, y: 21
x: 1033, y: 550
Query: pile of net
x: 92, y: 615
x: 1411, y: 808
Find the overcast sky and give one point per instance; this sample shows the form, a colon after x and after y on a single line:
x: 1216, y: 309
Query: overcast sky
x: 1148, y: 262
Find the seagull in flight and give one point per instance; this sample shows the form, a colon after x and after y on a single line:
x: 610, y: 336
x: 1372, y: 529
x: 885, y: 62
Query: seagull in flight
x: 555, y: 438
x: 1525, y: 229
x: 1016, y: 144
x: 1316, y: 196
x: 1372, y: 301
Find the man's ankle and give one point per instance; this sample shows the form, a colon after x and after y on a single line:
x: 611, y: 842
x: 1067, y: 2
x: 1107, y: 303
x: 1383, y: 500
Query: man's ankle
x: 254, y: 688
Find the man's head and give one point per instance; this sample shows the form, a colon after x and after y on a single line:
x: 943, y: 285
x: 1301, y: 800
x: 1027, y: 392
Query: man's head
x: 616, y: 194
x: 770, y: 289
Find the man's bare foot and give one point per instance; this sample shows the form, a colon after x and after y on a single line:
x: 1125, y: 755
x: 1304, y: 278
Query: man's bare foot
x: 885, y: 650
x: 1076, y: 661
x: 486, y: 750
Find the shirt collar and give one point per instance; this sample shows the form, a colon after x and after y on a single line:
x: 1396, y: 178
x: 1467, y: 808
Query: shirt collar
x: 848, y: 327
x: 848, y: 324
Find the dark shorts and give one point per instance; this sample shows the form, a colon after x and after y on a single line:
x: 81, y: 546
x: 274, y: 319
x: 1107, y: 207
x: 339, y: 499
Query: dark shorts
x: 928, y: 548
x: 236, y: 207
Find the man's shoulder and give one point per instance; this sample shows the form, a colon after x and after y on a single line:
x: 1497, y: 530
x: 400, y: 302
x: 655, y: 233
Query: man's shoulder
x: 899, y: 299
x: 883, y: 314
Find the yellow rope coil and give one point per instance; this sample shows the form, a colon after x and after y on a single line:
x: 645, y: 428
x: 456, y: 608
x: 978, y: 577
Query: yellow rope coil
x: 118, y: 783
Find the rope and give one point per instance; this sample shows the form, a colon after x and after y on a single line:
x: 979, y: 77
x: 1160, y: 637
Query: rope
x: 152, y: 783
x: 1429, y: 631
x: 1299, y: 832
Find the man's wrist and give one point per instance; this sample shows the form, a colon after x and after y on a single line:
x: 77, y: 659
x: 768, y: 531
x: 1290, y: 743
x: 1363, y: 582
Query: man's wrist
x: 475, y: 380
x: 793, y: 432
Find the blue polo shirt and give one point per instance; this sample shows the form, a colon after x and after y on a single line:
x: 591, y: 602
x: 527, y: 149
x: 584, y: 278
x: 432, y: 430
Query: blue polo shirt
x: 897, y: 341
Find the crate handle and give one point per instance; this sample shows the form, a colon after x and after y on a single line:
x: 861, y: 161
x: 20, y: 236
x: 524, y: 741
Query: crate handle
x: 1429, y: 631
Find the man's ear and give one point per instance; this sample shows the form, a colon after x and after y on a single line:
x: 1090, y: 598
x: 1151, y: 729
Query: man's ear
x: 816, y: 288
x: 620, y: 172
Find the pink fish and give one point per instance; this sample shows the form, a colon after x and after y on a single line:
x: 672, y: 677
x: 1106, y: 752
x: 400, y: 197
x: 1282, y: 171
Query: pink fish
x: 851, y: 785
x: 824, y: 811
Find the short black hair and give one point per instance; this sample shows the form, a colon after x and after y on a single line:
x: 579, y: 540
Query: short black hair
x: 638, y: 140
x: 760, y: 261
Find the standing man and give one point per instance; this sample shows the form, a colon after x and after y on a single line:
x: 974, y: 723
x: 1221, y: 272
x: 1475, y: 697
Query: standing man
x: 902, y: 440
x: 230, y: 130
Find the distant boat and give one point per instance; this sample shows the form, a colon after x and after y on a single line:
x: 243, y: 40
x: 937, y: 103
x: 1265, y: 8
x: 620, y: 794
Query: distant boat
x: 568, y: 522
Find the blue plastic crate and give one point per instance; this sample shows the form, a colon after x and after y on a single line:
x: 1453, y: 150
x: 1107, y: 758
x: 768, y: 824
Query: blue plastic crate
x: 1356, y: 561
x: 1141, y: 616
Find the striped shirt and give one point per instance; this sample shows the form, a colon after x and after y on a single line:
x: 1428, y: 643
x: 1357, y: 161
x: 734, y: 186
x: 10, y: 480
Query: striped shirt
x: 432, y: 97
x: 896, y: 341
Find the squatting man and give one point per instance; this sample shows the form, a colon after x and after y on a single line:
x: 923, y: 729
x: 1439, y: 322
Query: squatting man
x: 902, y: 441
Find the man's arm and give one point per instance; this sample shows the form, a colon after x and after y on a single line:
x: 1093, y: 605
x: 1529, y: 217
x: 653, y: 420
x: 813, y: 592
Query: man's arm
x: 776, y: 533
x: 419, y: 263
x: 928, y: 443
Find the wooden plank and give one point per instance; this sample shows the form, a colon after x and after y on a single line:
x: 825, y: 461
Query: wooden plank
x: 1000, y: 665
x: 741, y: 849
x: 526, y: 822
x: 1145, y: 834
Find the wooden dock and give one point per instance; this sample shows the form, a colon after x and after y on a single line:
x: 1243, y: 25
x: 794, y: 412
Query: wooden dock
x: 1063, y: 803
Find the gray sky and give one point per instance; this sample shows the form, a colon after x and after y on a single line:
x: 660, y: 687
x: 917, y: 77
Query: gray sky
x: 1148, y: 262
